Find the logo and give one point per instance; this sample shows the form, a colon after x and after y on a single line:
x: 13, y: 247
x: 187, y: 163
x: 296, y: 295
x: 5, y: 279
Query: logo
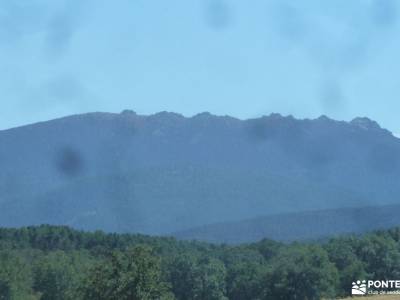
x: 375, y: 287
x: 359, y: 288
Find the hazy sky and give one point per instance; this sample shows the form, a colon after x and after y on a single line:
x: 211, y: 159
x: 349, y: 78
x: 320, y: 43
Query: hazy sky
x: 242, y: 58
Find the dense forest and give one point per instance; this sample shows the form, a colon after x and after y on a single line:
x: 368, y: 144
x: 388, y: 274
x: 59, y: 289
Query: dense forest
x: 49, y: 262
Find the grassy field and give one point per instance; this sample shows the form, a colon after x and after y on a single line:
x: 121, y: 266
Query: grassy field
x: 378, y: 297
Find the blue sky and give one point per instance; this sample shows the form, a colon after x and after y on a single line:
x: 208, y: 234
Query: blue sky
x: 242, y: 58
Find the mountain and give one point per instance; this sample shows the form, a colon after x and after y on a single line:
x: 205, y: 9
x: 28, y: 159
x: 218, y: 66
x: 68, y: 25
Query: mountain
x: 166, y: 173
x: 302, y: 226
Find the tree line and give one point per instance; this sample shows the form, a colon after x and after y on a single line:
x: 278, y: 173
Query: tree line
x: 57, y: 262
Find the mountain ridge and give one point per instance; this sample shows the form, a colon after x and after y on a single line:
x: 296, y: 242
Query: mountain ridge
x: 359, y: 122
x: 166, y: 172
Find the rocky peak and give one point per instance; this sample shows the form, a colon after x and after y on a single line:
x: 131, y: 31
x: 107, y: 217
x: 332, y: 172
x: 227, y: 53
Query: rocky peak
x: 365, y: 123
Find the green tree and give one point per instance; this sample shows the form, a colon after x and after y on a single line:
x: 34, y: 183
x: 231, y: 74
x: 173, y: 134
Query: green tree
x: 210, y: 280
x: 341, y: 252
x: 194, y: 278
x: 380, y: 254
x: 133, y: 275
x: 15, y: 277
x: 301, y: 272
x: 5, y: 289
x: 55, y: 276
x: 268, y: 248
x: 182, y: 272
x: 246, y: 269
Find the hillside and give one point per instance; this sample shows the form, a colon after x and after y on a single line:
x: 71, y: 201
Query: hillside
x: 290, y: 227
x: 166, y: 173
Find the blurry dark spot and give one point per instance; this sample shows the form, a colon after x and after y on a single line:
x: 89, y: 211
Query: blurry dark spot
x: 384, y: 12
x: 69, y: 162
x: 128, y: 112
x: 332, y: 97
x: 218, y: 15
x: 290, y: 23
x: 62, y: 26
x: 261, y: 129
x: 320, y: 151
x: 59, y: 34
x: 285, y: 131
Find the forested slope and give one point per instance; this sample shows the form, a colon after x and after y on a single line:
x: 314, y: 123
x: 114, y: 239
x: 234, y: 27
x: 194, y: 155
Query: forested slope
x: 60, y: 263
